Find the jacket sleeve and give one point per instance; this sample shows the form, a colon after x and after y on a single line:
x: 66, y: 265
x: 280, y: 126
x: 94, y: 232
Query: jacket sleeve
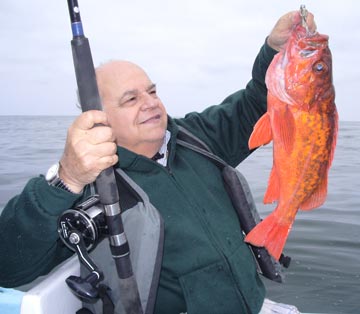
x: 30, y: 245
x: 226, y: 128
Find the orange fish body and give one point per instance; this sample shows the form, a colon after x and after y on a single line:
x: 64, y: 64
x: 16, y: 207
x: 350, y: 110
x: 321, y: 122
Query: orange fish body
x: 302, y: 122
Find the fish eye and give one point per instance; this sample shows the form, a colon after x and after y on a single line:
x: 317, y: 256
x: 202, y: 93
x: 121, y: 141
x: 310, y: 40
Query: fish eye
x: 319, y: 66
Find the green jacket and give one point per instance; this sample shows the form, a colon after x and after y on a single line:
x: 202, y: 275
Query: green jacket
x: 207, y: 268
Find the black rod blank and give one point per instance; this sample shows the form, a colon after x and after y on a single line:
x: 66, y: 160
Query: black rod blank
x: 105, y: 182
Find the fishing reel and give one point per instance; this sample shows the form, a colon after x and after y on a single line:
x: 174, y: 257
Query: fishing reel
x: 88, y: 219
x: 81, y: 229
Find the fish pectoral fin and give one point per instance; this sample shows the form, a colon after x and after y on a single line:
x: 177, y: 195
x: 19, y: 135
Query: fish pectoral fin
x: 273, y: 191
x: 284, y: 123
x: 317, y: 198
x: 261, y: 134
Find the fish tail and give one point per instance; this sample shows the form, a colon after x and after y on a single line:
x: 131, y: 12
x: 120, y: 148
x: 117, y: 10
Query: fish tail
x: 270, y: 233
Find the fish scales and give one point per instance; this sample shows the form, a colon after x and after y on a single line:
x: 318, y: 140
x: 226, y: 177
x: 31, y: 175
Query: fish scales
x: 302, y: 122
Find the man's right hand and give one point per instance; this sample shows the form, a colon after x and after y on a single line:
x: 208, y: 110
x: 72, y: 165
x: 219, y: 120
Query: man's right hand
x: 89, y: 149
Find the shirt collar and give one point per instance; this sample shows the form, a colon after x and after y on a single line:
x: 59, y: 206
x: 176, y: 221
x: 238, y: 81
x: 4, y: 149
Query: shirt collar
x: 164, y: 150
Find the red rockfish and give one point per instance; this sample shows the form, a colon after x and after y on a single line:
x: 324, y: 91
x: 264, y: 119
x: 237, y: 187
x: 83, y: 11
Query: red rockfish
x: 302, y: 122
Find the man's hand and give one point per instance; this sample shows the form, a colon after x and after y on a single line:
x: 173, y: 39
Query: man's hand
x: 282, y: 29
x: 89, y: 149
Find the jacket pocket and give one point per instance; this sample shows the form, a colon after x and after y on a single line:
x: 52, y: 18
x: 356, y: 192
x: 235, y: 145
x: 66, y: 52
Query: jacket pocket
x: 243, y: 267
x: 212, y: 290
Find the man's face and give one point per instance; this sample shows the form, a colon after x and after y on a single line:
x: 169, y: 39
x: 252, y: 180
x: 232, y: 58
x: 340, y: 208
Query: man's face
x: 135, y: 113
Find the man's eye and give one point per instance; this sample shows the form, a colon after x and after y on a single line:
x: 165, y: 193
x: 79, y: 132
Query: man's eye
x: 128, y: 102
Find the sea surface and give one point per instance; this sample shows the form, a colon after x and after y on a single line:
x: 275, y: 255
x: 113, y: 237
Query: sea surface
x: 324, y: 244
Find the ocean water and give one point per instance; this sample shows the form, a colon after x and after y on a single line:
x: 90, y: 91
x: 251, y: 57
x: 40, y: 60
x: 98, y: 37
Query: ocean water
x: 324, y: 244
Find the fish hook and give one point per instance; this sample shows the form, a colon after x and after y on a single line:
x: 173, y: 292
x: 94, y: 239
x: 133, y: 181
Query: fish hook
x: 303, y: 14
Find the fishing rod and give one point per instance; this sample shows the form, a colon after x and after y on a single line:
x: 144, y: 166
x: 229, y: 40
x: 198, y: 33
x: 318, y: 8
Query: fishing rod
x: 106, y: 187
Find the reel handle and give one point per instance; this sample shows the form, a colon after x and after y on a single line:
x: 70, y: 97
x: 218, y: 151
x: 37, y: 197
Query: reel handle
x: 85, y: 288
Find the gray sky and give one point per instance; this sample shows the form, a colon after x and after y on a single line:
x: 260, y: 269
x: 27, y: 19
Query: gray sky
x: 197, y: 52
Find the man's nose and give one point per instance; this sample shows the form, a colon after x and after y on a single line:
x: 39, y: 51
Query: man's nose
x: 148, y: 101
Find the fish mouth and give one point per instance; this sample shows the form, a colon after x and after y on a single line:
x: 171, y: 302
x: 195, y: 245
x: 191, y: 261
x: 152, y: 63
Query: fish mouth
x: 307, y: 53
x: 309, y: 45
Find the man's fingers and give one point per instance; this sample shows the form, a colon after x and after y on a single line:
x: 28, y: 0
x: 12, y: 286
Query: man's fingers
x: 90, y: 148
x: 87, y: 120
x: 100, y: 134
x: 105, y: 149
x: 90, y: 157
x: 108, y: 161
x: 311, y: 22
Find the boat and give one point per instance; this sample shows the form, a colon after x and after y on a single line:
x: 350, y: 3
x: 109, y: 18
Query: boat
x: 50, y: 294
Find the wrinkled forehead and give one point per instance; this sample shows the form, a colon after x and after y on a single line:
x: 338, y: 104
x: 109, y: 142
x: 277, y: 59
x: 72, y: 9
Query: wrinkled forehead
x: 116, y: 78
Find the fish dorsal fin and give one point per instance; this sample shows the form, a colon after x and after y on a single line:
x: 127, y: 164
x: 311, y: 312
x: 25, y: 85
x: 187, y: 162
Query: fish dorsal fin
x: 261, y: 134
x: 318, y: 197
x: 273, y: 191
x: 284, y: 123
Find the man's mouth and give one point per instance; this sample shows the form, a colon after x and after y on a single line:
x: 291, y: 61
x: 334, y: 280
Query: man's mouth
x: 152, y: 119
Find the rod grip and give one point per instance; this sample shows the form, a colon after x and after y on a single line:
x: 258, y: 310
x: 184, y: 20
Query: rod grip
x: 85, y: 74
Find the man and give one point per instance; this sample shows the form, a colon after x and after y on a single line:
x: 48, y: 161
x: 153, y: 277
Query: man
x: 206, y: 267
